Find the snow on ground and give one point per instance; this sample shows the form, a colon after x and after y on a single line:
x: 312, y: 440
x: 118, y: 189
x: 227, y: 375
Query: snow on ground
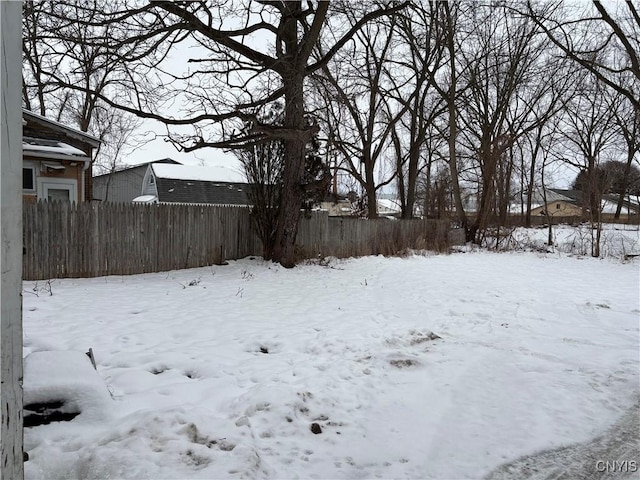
x: 605, y: 457
x: 220, y: 372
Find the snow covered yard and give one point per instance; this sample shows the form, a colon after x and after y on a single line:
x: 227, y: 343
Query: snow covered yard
x: 220, y: 372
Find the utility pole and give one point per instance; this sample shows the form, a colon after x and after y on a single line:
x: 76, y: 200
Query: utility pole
x: 11, y: 434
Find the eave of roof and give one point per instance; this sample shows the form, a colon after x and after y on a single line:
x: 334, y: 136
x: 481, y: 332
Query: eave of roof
x: 72, y: 132
x: 144, y: 165
x: 52, y: 150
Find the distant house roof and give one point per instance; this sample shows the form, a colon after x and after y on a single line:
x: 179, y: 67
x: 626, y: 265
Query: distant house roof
x: 205, y: 174
x: 160, y: 160
x: 555, y: 195
x: 630, y: 204
x: 552, y: 195
x: 208, y: 185
x: 572, y: 196
x: 128, y: 168
x: 388, y: 205
x: 69, y: 131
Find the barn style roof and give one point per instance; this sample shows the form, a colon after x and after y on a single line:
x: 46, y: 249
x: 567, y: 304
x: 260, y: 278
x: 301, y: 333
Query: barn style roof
x: 206, y: 185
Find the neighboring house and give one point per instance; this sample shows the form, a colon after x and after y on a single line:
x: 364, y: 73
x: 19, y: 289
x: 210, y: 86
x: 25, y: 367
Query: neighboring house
x: 337, y: 205
x: 558, y: 208
x: 388, y: 205
x: 123, y: 185
x: 560, y: 203
x: 337, y: 208
x: 569, y: 203
x: 56, y: 160
x: 218, y: 185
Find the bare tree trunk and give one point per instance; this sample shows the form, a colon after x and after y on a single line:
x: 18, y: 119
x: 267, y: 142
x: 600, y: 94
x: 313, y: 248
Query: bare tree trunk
x: 370, y: 189
x: 546, y: 209
x: 625, y: 184
x: 594, y: 199
x: 451, y: 104
x: 290, y: 204
x: 629, y: 125
x: 395, y: 140
x: 412, y: 180
x: 532, y: 173
x: 294, y: 153
x: 489, y: 156
x: 428, y: 202
x: 507, y: 187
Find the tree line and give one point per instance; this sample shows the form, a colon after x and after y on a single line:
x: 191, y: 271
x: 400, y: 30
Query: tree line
x: 462, y: 108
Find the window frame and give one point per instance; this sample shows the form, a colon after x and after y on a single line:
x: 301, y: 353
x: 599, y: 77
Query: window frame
x: 34, y: 177
x: 44, y: 183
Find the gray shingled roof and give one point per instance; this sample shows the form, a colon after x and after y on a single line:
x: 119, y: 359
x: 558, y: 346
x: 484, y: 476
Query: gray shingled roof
x: 574, y: 196
x: 555, y: 195
x: 172, y: 190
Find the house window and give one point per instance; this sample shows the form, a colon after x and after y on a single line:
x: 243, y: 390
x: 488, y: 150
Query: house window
x: 29, y: 179
x: 557, y: 206
x: 61, y: 194
x: 61, y: 189
x: 152, y: 180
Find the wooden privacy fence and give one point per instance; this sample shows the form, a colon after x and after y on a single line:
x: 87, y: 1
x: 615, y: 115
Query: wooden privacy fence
x: 64, y: 240
x: 321, y: 235
x: 88, y: 240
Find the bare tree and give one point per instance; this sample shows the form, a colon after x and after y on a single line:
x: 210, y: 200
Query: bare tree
x: 435, y: 190
x: 627, y: 119
x: 561, y: 78
x: 542, y: 144
x: 602, y: 38
x: 588, y: 131
x: 119, y: 137
x: 534, y: 147
x: 449, y: 16
x: 423, y: 36
x: 263, y: 165
x: 506, y: 83
x: 248, y: 55
x: 357, y: 108
x: 65, y: 73
x: 39, y: 57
